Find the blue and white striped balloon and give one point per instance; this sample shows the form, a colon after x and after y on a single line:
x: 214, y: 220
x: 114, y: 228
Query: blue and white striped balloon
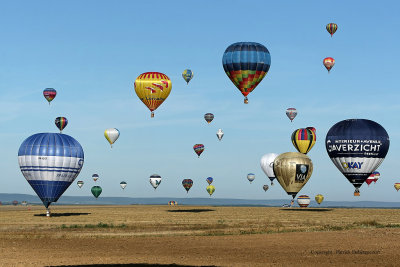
x: 50, y: 162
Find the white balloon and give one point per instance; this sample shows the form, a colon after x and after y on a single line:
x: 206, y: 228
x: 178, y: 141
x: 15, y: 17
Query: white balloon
x: 267, y: 162
x: 220, y: 134
x: 111, y: 135
x: 155, y: 180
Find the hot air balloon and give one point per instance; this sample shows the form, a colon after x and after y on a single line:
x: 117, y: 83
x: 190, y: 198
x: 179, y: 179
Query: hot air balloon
x: 267, y: 162
x: 319, y: 198
x: 331, y: 28
x: 265, y: 187
x: 303, y: 201
x: 210, y: 189
x: 246, y: 64
x: 251, y: 177
x: 123, y: 185
x: 80, y: 184
x: 155, y: 180
x: 208, y: 117
x: 198, y: 148
x: 95, y: 177
x: 172, y: 203
x: 61, y: 123
x: 153, y: 88
x: 329, y: 63
x: 303, y: 140
x: 187, y: 75
x: 50, y: 162
x: 220, y: 134
x: 209, y: 180
x: 96, y: 191
x: 292, y: 170
x: 377, y: 175
x: 397, y: 186
x: 291, y: 113
x: 370, y: 179
x: 357, y: 147
x: 111, y: 135
x: 49, y: 94
x: 187, y: 184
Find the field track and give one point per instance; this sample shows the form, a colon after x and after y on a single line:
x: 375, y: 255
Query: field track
x: 193, y: 235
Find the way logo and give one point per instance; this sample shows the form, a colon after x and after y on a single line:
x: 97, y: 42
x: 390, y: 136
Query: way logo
x: 352, y: 165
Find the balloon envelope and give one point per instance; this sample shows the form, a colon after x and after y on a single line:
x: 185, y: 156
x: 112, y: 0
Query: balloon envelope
x: 111, y: 135
x: 209, y: 180
x: 155, y: 180
x: 331, y: 28
x: 251, y: 177
x: 50, y: 162
x: 397, y: 186
x: 80, y: 184
x: 292, y: 170
x: 49, y: 94
x: 123, y: 185
x: 187, y: 75
x: 357, y: 147
x: 208, y: 117
x: 246, y: 64
x: 96, y: 191
x: 328, y: 62
x: 210, y: 189
x: 220, y: 134
x: 319, y: 198
x: 95, y: 177
x: 187, y: 184
x: 61, y: 123
x: 267, y: 162
x: 265, y: 187
x: 303, y: 201
x: 198, y: 149
x: 291, y: 113
x: 303, y: 140
x: 152, y: 88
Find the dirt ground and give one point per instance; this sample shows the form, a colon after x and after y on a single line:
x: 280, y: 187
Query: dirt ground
x: 214, y: 236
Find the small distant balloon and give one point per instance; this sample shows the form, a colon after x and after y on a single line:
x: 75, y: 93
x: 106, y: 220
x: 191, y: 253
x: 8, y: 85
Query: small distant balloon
x: 49, y: 94
x: 220, y: 134
x: 265, y: 187
x: 267, y: 162
x: 96, y: 191
x: 251, y: 177
x: 377, y: 175
x: 172, y: 203
x: 111, y: 135
x: 208, y: 117
x: 397, y: 186
x: 187, y: 184
x: 319, y: 198
x: 80, y: 184
x: 123, y: 185
x: 209, y: 180
x: 187, y: 75
x: 291, y: 113
x: 210, y: 189
x: 331, y: 28
x: 198, y: 149
x: 95, y: 177
x: 329, y: 63
x: 155, y: 180
x: 303, y: 201
x: 61, y: 123
x: 303, y: 140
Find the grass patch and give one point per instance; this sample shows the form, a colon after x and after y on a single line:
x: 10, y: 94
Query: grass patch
x: 92, y: 226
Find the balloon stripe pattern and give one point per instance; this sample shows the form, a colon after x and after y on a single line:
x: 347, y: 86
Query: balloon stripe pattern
x: 246, y: 64
x: 291, y: 113
x: 303, y: 140
x: 329, y: 62
x: 50, y: 162
x: 331, y: 28
x: 187, y: 75
x: 49, y: 94
x: 198, y: 148
x: 61, y: 123
x: 357, y: 147
x: 187, y: 184
x: 303, y: 201
x: 152, y: 88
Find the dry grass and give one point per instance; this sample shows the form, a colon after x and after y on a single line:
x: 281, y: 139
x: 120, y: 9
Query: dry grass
x: 117, y: 221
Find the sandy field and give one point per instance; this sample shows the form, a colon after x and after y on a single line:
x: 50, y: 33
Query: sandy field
x: 193, y: 235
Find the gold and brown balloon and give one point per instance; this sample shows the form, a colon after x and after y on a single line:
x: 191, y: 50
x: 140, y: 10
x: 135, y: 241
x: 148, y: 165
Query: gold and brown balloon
x: 292, y: 170
x: 153, y: 88
x: 319, y: 198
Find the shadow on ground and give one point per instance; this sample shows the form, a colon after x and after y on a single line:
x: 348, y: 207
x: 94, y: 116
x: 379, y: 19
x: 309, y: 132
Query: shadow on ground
x: 305, y: 210
x: 193, y: 211
x: 131, y: 264
x: 62, y: 214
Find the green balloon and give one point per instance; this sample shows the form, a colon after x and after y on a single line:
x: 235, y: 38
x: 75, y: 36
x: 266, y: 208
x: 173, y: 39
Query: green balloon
x: 96, y: 191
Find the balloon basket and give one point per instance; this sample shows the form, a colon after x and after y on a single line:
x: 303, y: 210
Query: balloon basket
x: 356, y: 194
x: 246, y: 101
x: 152, y: 114
x: 48, y: 214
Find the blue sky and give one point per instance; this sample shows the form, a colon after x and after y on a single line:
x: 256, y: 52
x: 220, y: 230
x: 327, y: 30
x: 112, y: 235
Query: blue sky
x: 92, y: 51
